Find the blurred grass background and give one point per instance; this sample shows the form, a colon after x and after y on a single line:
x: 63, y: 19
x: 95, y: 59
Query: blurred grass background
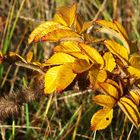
x: 66, y: 116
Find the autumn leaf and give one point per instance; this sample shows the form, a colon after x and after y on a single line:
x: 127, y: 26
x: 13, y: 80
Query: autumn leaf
x: 61, y: 35
x: 66, y: 15
x: 110, y: 63
x: 43, y: 29
x: 96, y: 76
x: 58, y: 59
x: 29, y: 56
x: 118, y: 50
x: 135, y: 96
x: 58, y: 78
x: 78, y: 23
x: 71, y: 47
x: 104, y: 100
x: 92, y: 53
x: 115, y: 29
x: 110, y: 90
x: 101, y: 119
x: 130, y: 109
x: 134, y: 72
x: 135, y: 60
x: 80, y: 66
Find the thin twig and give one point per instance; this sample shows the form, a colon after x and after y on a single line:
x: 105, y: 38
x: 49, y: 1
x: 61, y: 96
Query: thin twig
x: 30, y: 66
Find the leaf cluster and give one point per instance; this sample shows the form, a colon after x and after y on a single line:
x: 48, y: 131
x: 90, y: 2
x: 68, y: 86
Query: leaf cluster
x: 114, y: 71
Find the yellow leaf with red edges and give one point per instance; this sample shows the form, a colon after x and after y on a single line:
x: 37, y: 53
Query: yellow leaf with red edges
x: 109, y: 61
x: 29, y: 56
x: 118, y: 50
x: 104, y: 100
x: 43, y: 29
x: 66, y: 15
x: 96, y: 76
x: 135, y: 96
x: 58, y: 59
x: 115, y: 29
x: 134, y: 72
x: 58, y: 78
x: 92, y: 53
x: 61, y: 35
x: 101, y: 119
x: 130, y: 109
x: 80, y: 66
x: 109, y: 90
x: 134, y: 60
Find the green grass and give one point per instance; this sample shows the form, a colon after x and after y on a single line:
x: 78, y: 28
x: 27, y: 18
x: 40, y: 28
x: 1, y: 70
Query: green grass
x: 58, y: 117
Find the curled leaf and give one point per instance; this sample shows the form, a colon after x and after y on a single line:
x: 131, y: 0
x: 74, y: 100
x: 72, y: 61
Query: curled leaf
x: 130, y: 109
x: 115, y: 29
x: 135, y: 96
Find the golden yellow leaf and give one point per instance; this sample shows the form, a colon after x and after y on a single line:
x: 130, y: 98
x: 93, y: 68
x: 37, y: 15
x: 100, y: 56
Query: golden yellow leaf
x: 58, y: 59
x: 29, y: 56
x: 61, y: 35
x: 109, y: 61
x: 130, y: 109
x: 117, y: 50
x: 66, y: 15
x: 80, y: 66
x: 96, y: 76
x: 104, y: 100
x: 134, y: 72
x: 51, y: 79
x: 121, y: 29
x: 70, y: 47
x: 65, y: 77
x: 110, y: 81
x: 135, y: 60
x: 101, y: 119
x: 43, y: 29
x: 86, y: 25
x: 110, y: 90
x: 135, y: 96
x: 78, y: 23
x: 58, y: 78
x: 92, y: 53
x: 115, y: 29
